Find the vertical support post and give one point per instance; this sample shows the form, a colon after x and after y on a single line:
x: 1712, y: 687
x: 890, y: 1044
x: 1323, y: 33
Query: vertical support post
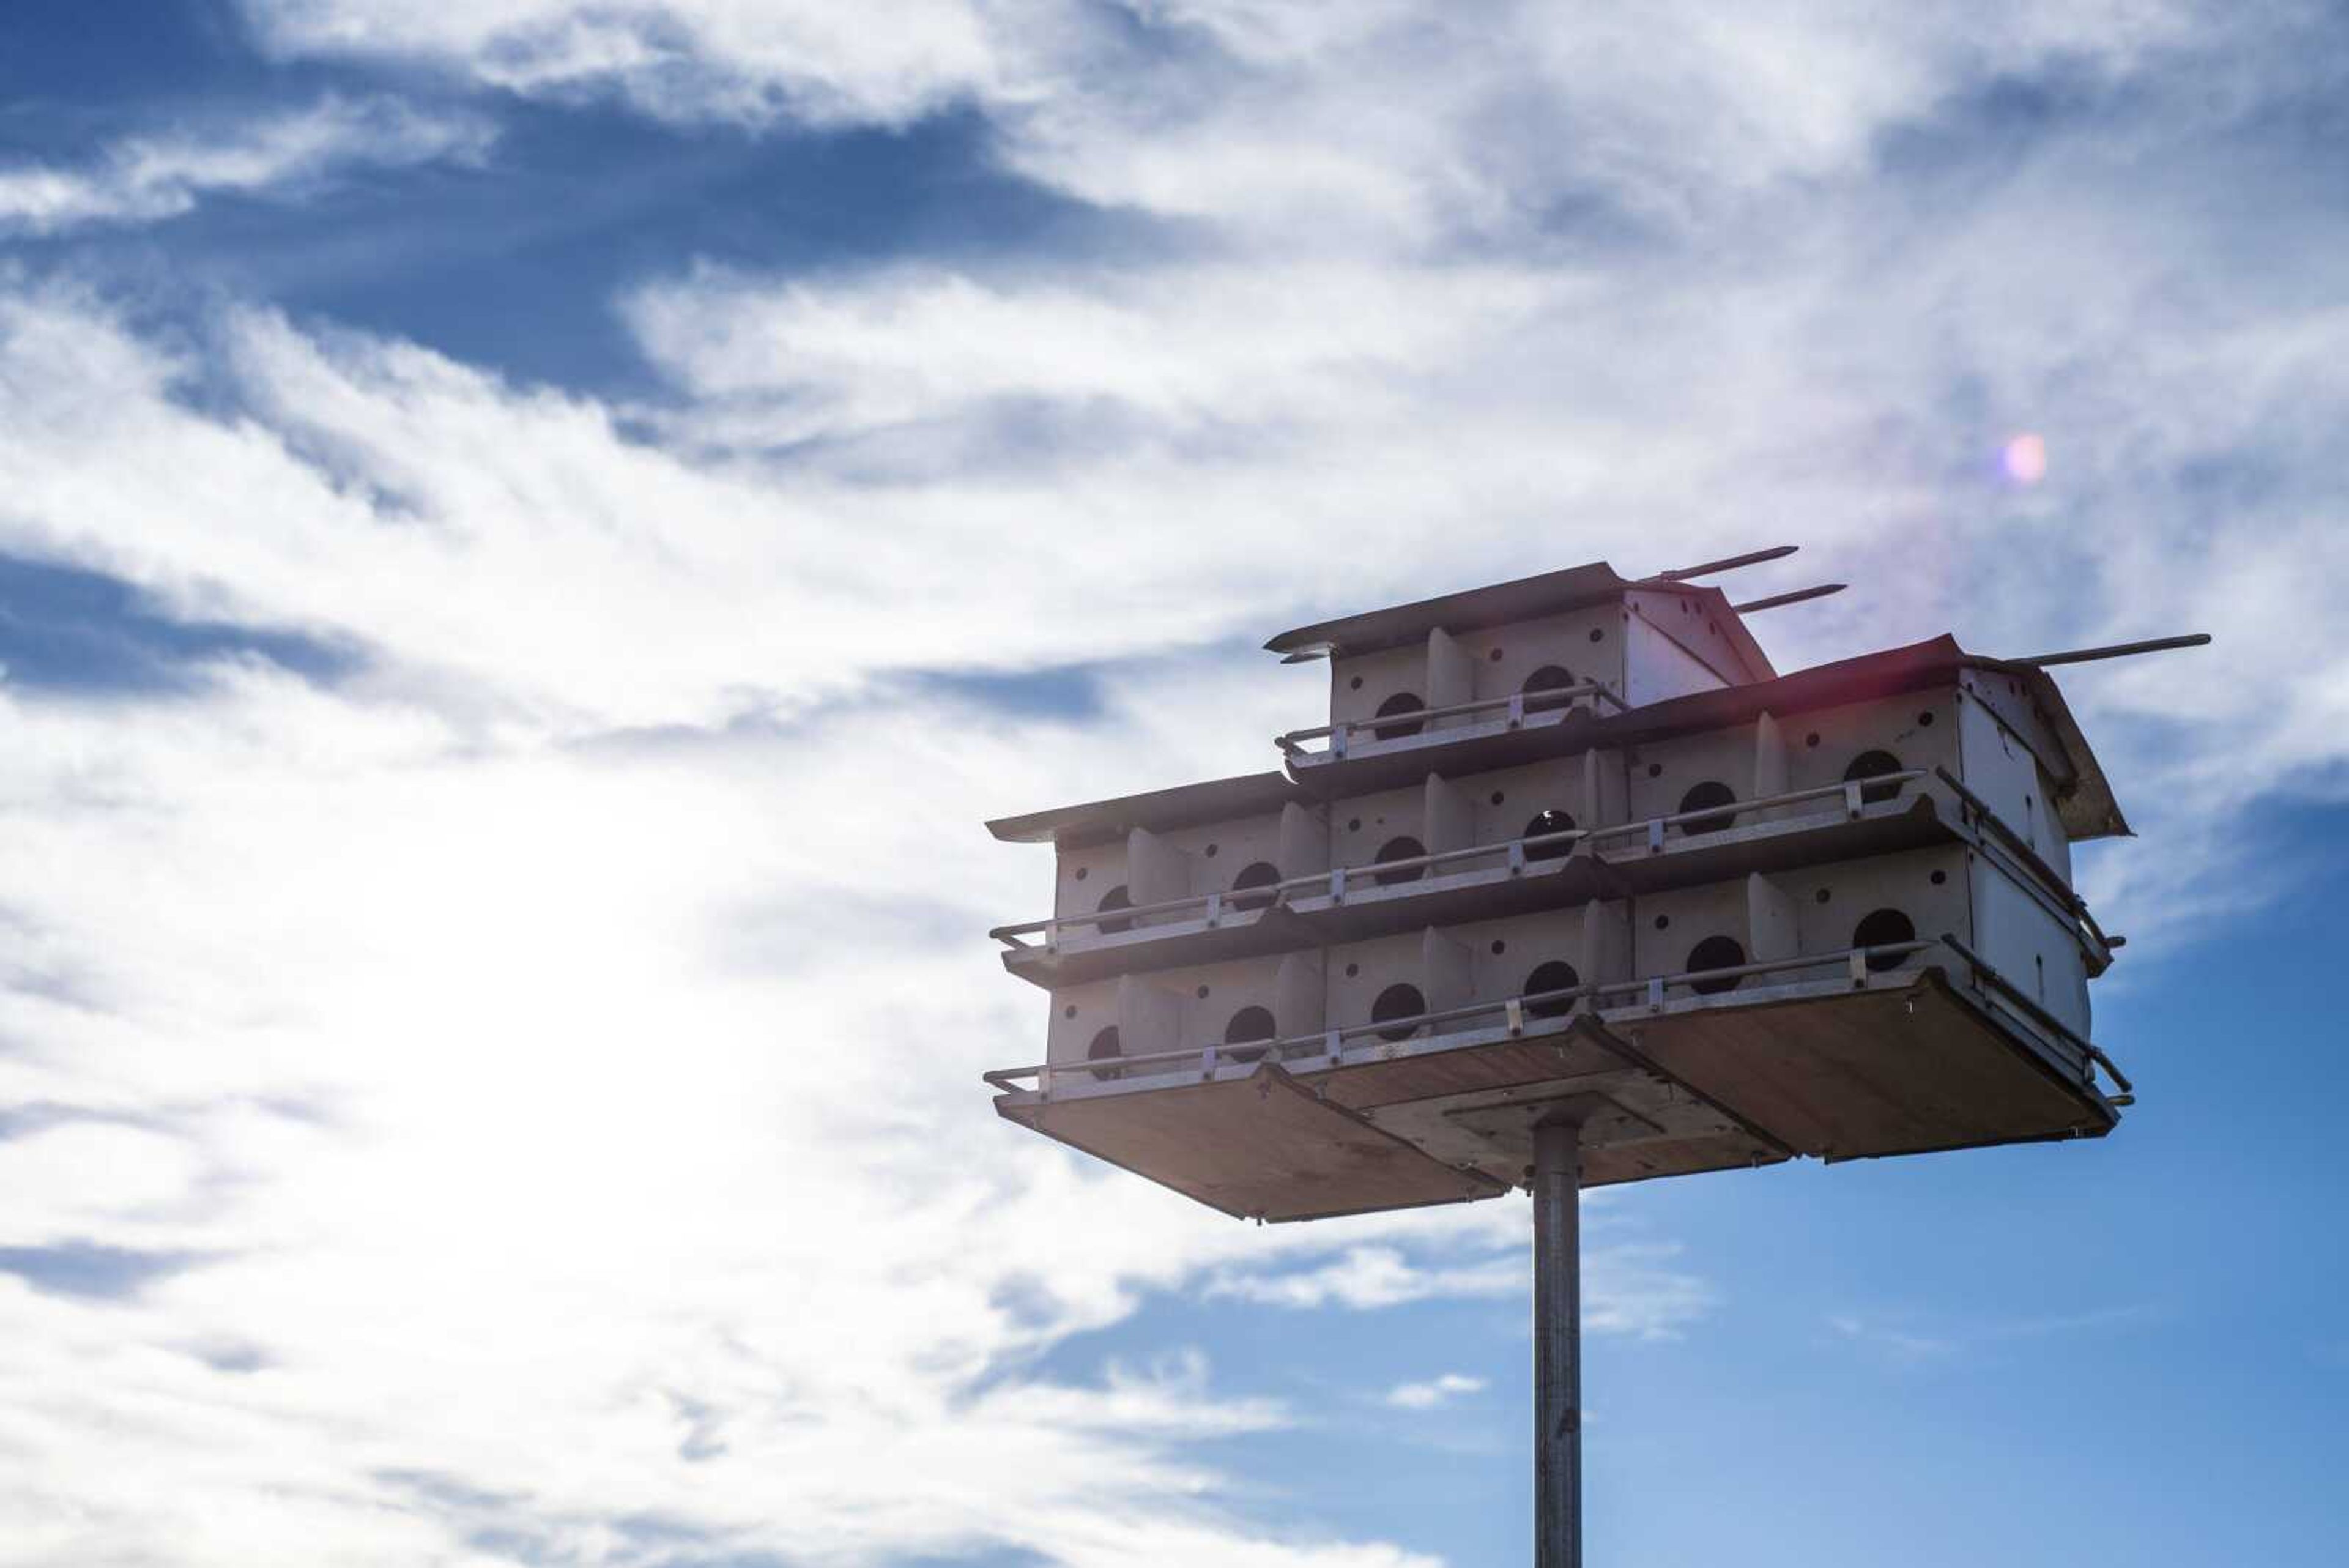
x: 1558, y: 1344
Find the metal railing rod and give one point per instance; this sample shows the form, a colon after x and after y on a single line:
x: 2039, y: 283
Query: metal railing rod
x: 1265, y: 895
x: 2051, y: 880
x: 1800, y: 596
x: 1253, y: 1050
x: 1125, y: 912
x: 2038, y: 1014
x: 1762, y: 802
x: 1445, y: 856
x: 1556, y: 697
x: 2116, y: 650
x: 1726, y: 563
x: 2013, y: 840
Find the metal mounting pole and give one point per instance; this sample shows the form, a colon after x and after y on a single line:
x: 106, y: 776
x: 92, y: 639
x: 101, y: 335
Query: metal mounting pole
x: 1558, y: 1344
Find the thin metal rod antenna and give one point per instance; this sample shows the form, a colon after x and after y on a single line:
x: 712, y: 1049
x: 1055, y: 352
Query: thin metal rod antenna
x: 1798, y: 596
x: 1726, y: 563
x: 2116, y: 650
x: 1558, y: 1344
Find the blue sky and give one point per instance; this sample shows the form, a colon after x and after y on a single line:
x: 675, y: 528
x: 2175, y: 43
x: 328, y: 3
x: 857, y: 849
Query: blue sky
x: 531, y: 534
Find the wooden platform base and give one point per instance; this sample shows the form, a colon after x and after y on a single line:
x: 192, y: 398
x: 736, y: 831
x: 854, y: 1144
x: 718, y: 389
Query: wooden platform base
x: 1906, y: 1064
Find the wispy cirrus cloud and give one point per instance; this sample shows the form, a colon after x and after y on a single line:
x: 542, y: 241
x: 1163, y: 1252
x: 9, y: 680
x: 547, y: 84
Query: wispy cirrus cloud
x: 1434, y: 1392
x: 328, y: 1042
x: 1630, y: 1288
x: 1368, y: 1278
x: 1253, y: 117
x: 1902, y: 1341
x: 151, y: 178
x: 798, y: 60
x: 1160, y: 344
x: 456, y: 1120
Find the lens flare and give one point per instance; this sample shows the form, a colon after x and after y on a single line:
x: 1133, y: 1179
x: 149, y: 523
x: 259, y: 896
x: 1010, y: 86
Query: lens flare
x: 2024, y: 459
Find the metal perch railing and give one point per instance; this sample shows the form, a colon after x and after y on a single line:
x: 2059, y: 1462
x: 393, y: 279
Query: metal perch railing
x: 1518, y: 704
x: 1514, y: 1010
x: 1518, y: 853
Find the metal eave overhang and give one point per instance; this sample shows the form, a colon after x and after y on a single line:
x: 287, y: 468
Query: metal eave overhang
x: 1397, y: 625
x: 1527, y: 598
x: 2086, y: 807
x: 1105, y: 821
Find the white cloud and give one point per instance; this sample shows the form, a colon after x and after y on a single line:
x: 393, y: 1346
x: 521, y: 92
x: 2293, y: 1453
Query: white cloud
x: 513, y: 547
x: 1863, y: 382
x: 1366, y: 1277
x: 543, y: 999
x: 511, y: 1160
x: 1910, y: 1346
x: 151, y: 178
x: 703, y: 60
x: 1434, y: 1392
x: 1902, y: 1344
x: 1169, y: 1399
x: 444, y: 1011
x: 1163, y: 344
x: 1309, y: 124
x: 537, y: 989
x: 1630, y: 1288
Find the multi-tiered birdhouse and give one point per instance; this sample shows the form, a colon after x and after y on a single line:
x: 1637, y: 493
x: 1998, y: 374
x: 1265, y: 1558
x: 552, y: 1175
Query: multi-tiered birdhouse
x: 1570, y: 845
